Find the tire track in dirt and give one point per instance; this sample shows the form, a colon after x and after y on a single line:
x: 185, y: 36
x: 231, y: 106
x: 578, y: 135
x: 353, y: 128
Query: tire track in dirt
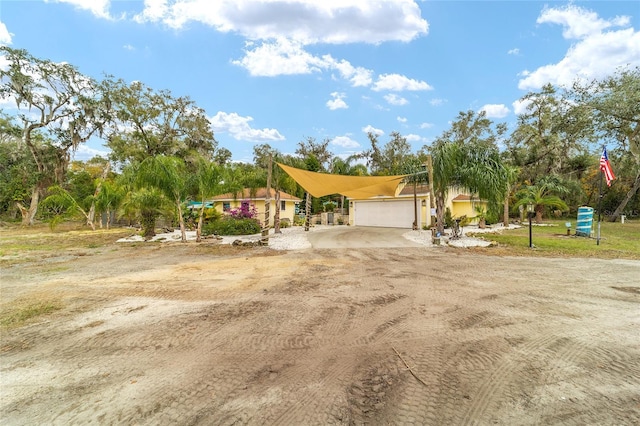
x: 413, y: 402
x: 498, y: 378
x: 312, y: 385
x: 562, y: 354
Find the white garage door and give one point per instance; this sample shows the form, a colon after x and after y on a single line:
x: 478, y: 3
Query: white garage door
x: 388, y: 214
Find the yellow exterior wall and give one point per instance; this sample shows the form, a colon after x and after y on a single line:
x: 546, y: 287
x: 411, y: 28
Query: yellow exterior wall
x: 462, y: 208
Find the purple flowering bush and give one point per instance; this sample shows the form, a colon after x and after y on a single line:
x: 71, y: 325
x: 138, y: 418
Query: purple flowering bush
x: 245, y: 211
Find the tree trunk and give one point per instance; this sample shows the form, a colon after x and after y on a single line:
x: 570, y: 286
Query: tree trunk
x: 92, y: 211
x: 276, y: 215
x: 440, y: 213
x: 505, y: 218
x: 539, y: 214
x: 148, y: 222
x: 200, y: 221
x: 634, y: 189
x: 29, y: 214
x: 183, y: 233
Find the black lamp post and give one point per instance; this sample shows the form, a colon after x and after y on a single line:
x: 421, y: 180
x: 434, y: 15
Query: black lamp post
x: 530, y: 213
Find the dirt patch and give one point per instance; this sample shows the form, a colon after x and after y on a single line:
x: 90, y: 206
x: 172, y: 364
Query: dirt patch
x: 188, y: 334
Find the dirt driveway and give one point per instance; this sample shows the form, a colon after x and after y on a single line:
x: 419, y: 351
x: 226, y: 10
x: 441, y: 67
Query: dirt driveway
x: 178, y: 334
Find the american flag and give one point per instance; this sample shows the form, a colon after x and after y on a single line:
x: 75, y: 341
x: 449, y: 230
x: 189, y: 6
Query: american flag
x: 605, y: 167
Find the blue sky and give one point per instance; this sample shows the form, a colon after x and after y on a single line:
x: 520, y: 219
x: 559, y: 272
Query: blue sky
x: 279, y: 71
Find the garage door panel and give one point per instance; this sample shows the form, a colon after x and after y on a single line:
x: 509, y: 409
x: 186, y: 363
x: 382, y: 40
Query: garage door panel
x: 389, y: 214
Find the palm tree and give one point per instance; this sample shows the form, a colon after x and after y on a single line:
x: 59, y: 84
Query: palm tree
x: 207, y: 183
x: 467, y: 157
x: 541, y: 195
x: 233, y: 179
x: 168, y: 175
x: 417, y: 173
x: 512, y: 174
x: 109, y: 199
x: 147, y: 204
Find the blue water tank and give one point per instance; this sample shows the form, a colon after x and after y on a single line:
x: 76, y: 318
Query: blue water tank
x: 585, y: 221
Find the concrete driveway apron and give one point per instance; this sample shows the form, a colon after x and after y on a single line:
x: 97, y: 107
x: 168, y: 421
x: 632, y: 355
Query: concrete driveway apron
x: 360, y: 237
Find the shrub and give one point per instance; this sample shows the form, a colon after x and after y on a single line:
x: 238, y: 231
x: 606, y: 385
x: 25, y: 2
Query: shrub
x: 285, y: 223
x: 330, y: 206
x: 298, y: 220
x: 448, y: 219
x: 231, y: 226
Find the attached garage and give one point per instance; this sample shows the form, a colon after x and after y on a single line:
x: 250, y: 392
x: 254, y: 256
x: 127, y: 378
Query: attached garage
x: 387, y: 213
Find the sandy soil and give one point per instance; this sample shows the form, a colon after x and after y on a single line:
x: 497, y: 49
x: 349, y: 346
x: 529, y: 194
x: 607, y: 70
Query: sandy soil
x: 182, y: 334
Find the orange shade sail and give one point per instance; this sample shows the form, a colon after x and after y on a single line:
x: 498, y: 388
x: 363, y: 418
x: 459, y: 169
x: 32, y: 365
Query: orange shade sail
x: 356, y: 187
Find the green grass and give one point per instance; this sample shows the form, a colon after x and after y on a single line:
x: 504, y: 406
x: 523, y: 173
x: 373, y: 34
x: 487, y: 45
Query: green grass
x: 39, y: 239
x: 617, y: 240
x: 18, y: 316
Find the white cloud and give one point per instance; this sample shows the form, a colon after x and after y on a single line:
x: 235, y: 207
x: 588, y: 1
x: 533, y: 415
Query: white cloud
x: 239, y: 128
x: 128, y: 47
x: 495, y: 110
x: 514, y: 51
x: 413, y: 138
x: 99, y: 8
x: 596, y: 54
x: 426, y: 125
x: 345, y: 142
x: 281, y: 57
x: 397, y: 83
x: 370, y: 129
x: 357, y: 76
x: 579, y: 22
x: 287, y: 57
x: 437, y: 101
x: 154, y: 10
x: 5, y: 35
x: 394, y: 99
x: 520, y: 107
x: 336, y: 22
x: 401, y: 119
x: 86, y: 153
x: 337, y: 102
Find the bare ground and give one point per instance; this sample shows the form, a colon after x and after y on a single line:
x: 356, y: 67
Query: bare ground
x: 179, y: 334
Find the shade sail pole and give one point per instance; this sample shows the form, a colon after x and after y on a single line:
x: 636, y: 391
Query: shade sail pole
x: 267, y: 207
x: 307, y: 211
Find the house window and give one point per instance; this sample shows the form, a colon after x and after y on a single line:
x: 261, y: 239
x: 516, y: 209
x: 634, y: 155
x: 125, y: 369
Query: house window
x: 283, y: 205
x: 226, y: 206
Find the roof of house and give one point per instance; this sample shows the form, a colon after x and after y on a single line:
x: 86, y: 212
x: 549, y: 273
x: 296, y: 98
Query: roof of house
x: 420, y: 189
x: 260, y: 194
x: 463, y: 197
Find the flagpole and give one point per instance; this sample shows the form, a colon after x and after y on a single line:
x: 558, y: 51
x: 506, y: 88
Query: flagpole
x: 599, y: 205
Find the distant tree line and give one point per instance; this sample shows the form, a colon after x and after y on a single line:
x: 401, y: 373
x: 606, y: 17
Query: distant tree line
x: 163, y: 151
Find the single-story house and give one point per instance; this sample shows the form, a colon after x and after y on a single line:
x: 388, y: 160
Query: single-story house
x: 226, y: 202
